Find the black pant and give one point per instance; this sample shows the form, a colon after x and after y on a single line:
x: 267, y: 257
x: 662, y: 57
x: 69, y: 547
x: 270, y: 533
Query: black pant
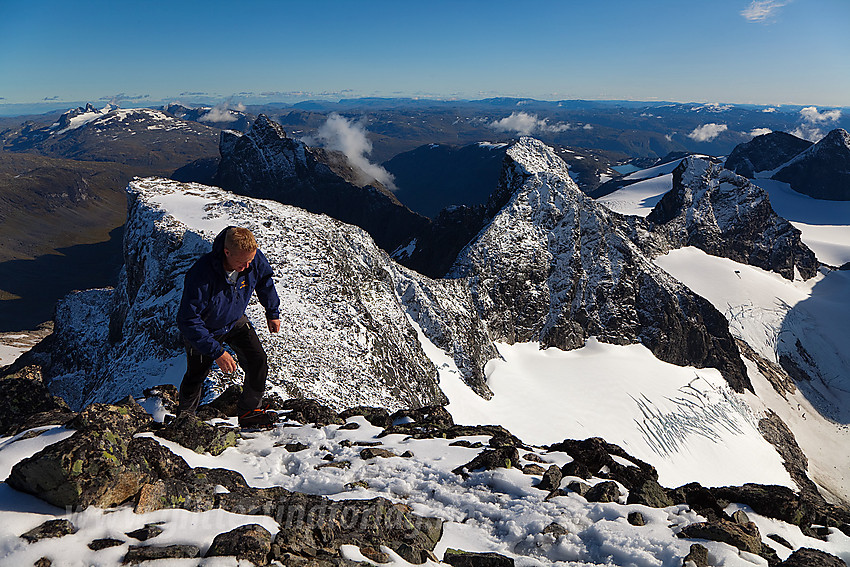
x: 250, y: 356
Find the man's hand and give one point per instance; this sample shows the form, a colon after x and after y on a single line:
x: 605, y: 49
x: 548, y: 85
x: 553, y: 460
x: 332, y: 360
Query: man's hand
x: 226, y: 363
x: 274, y: 325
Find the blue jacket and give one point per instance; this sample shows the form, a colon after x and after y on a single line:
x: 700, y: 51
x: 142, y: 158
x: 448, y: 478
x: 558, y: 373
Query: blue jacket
x: 211, y: 305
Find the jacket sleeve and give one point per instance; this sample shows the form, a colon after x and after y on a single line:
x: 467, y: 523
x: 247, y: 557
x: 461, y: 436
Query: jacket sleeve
x: 189, y: 321
x: 266, y: 292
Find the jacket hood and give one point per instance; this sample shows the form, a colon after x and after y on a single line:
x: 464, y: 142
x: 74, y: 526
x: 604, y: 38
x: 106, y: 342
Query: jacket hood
x: 218, y: 243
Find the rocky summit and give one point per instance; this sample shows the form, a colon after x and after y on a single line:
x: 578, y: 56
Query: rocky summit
x: 556, y: 267
x: 765, y: 153
x: 265, y: 163
x: 726, y: 215
x: 823, y: 170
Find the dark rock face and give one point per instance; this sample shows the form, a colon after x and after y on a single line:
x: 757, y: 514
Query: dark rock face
x: 823, y: 170
x: 551, y: 479
x: 725, y: 215
x: 459, y: 558
x: 808, y: 557
x: 265, y: 163
x: 556, y: 267
x: 251, y: 542
x: 25, y: 402
x: 764, y: 153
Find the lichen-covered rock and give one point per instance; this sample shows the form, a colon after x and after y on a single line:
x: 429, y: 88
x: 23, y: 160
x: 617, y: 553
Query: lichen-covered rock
x: 251, y: 542
x: 551, y: 479
x: 101, y: 464
x: 698, y: 555
x: 199, y: 436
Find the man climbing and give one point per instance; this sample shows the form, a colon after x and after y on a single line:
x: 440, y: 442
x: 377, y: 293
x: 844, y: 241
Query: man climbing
x: 216, y: 292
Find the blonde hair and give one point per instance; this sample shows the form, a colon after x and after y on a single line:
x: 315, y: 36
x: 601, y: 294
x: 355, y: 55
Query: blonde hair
x: 238, y: 238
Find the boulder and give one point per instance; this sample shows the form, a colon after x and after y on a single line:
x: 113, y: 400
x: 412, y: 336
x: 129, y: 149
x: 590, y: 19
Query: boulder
x: 139, y: 553
x: 551, y: 479
x: 373, y: 452
x: 251, y: 542
x: 149, y: 531
x: 459, y: 558
x: 104, y: 543
x: 379, y: 417
x: 310, y: 411
x: 49, y: 529
x: 606, y: 491
x: 746, y: 537
x: 636, y: 519
x: 314, y: 526
x: 489, y: 459
x: 22, y: 396
x: 808, y: 557
x: 698, y: 555
x: 189, y: 431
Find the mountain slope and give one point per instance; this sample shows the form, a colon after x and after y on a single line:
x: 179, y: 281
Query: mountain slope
x: 724, y: 214
x: 765, y: 153
x: 823, y: 170
x: 556, y: 267
x: 135, y: 137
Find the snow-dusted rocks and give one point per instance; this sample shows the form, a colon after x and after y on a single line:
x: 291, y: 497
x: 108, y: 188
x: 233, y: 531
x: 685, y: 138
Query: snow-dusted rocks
x: 347, y: 336
x: 725, y: 215
x: 556, y: 267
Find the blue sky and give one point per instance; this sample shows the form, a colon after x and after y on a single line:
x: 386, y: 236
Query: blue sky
x: 763, y: 52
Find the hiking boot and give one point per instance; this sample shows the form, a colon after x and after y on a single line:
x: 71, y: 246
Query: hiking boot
x: 258, y: 418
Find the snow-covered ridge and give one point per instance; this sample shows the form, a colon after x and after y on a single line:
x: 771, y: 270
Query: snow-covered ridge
x: 347, y: 336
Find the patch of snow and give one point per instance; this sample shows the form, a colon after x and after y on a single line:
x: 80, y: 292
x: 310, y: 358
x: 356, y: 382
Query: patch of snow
x: 638, y: 198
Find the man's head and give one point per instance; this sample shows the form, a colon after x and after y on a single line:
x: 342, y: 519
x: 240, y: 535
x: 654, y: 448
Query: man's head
x: 240, y: 247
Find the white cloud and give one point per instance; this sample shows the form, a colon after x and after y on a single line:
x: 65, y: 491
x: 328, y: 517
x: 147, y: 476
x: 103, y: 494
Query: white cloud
x: 760, y: 131
x: 812, y: 119
x: 525, y: 124
x: 588, y: 127
x: 222, y: 112
x: 763, y: 10
x: 770, y: 109
x: 340, y: 134
x: 811, y: 114
x: 707, y: 132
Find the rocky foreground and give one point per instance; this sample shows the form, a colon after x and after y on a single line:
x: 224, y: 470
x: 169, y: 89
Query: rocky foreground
x: 117, y: 456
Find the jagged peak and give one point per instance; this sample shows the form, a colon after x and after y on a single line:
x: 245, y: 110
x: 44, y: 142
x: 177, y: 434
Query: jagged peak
x: 265, y: 128
x: 838, y: 137
x: 536, y: 157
